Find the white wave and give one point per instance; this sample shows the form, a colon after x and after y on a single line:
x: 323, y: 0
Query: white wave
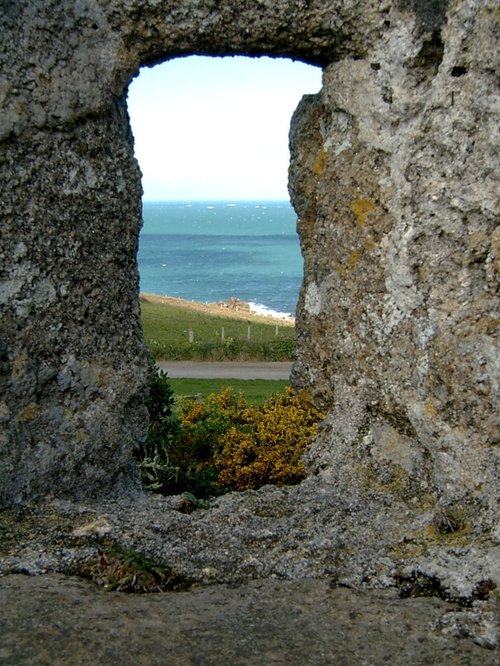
x: 260, y: 309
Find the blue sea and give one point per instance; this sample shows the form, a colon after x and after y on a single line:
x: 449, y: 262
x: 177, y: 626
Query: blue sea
x: 210, y: 251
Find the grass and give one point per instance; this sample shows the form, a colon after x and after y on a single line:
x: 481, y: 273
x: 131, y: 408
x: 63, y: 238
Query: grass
x: 256, y: 391
x: 166, y: 331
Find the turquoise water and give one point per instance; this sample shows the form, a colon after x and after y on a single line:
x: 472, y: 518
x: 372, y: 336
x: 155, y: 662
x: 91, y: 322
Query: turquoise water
x: 210, y: 251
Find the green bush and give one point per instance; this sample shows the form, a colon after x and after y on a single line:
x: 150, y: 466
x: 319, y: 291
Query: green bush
x: 160, y: 401
x: 203, y: 425
x: 230, y: 350
x: 218, y: 444
x: 153, y: 460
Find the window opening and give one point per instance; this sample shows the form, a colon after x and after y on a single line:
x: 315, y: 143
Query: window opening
x: 211, y: 138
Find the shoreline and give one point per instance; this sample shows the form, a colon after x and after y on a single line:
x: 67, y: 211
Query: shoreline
x: 232, y: 308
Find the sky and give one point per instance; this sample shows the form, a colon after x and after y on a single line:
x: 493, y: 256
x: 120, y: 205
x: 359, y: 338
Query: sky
x: 216, y: 128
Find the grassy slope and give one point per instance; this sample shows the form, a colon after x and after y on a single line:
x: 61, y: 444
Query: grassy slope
x: 166, y: 332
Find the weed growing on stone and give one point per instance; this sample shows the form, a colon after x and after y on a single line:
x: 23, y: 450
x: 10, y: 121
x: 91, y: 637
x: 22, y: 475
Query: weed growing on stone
x: 126, y: 571
x: 190, y: 503
x: 450, y: 520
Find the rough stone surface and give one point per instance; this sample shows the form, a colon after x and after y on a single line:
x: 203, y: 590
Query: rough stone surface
x: 73, y: 365
x: 55, y: 620
x: 394, y: 180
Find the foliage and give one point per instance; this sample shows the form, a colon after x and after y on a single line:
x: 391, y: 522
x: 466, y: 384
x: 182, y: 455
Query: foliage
x: 126, y: 571
x: 153, y: 459
x: 247, y: 447
x: 203, y: 426
x: 160, y: 401
x: 269, y: 447
x: 232, y: 350
x: 220, y: 443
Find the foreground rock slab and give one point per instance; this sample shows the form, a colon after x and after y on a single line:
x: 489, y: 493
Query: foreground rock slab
x: 55, y: 619
x: 277, y: 579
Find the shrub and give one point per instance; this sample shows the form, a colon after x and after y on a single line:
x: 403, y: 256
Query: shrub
x: 269, y: 447
x: 160, y: 401
x: 221, y: 444
x: 156, y: 468
x: 203, y: 427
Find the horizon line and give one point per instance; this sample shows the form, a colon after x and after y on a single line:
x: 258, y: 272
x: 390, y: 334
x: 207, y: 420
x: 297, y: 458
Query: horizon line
x: 230, y: 200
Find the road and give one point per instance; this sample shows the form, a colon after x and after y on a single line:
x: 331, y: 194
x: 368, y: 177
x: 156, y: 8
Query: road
x: 225, y: 370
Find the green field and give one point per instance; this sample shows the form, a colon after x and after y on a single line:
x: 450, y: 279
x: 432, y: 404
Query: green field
x: 166, y: 331
x: 256, y: 391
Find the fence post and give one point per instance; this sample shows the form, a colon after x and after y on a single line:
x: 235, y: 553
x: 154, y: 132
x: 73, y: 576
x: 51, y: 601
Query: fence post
x: 277, y: 328
x: 190, y: 335
x: 222, y: 334
x: 249, y: 334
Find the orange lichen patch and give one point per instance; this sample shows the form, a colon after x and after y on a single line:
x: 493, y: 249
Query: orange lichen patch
x: 319, y: 164
x: 28, y: 413
x: 353, y: 259
x: 361, y: 208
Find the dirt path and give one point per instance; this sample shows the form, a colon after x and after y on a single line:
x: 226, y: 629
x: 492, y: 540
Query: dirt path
x: 225, y: 370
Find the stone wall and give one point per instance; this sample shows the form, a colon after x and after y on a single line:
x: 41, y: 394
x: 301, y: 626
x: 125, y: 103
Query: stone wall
x: 393, y: 180
x: 73, y: 364
x: 395, y: 184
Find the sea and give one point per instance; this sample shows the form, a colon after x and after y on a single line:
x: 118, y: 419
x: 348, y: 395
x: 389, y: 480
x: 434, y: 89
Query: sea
x: 214, y: 250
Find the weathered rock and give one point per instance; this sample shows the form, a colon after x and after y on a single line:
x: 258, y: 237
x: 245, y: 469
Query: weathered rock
x: 56, y: 620
x: 73, y: 361
x: 395, y: 184
x: 393, y: 177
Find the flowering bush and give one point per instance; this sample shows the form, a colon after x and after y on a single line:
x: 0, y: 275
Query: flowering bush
x: 203, y: 426
x: 206, y: 448
x: 268, y: 447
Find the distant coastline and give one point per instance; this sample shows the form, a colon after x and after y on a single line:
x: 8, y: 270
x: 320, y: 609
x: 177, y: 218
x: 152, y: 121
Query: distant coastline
x: 231, y: 308
x: 209, y: 252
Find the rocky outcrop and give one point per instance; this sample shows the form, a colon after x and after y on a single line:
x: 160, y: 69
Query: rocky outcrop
x: 393, y: 178
x: 73, y: 363
x: 395, y: 184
